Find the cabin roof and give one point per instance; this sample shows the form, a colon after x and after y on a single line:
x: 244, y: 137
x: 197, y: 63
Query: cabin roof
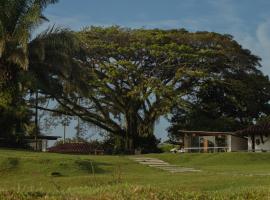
x: 206, y: 133
x: 258, y: 129
x: 45, y: 137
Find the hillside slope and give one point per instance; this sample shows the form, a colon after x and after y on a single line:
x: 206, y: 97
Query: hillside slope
x: 28, y: 175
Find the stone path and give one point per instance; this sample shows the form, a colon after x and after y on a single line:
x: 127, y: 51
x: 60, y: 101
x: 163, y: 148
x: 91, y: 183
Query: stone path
x: 160, y: 164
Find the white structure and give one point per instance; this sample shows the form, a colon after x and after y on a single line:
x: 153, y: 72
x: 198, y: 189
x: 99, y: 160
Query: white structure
x: 237, y: 143
x: 258, y: 136
x: 254, y: 138
x: 261, y: 143
x: 205, y: 141
x: 41, y: 143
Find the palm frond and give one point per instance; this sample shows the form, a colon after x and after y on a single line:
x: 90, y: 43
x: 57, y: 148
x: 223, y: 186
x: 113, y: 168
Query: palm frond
x: 58, y: 38
x: 19, y: 57
x: 45, y: 3
x: 18, y: 18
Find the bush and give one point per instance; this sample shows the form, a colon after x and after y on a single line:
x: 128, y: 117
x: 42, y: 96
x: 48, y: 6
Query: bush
x: 165, y: 147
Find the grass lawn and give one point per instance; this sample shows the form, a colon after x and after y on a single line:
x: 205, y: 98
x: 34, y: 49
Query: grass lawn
x: 28, y: 175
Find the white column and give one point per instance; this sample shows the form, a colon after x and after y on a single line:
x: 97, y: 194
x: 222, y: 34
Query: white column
x: 229, y: 143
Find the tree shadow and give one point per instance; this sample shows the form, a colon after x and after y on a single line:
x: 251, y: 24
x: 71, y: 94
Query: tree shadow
x: 9, y: 164
x: 91, y: 167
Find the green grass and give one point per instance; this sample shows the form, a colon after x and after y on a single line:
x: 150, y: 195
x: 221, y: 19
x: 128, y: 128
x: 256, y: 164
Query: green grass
x: 28, y: 175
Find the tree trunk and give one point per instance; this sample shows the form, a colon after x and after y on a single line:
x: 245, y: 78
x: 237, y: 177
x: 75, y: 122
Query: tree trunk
x: 131, y: 132
x: 129, y: 141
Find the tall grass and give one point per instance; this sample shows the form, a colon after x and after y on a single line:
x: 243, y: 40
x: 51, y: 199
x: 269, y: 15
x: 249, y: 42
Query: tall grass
x: 135, y: 192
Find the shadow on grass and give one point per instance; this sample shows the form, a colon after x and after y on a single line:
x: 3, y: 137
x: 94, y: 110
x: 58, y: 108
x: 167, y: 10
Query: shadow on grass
x: 91, y: 167
x: 9, y: 164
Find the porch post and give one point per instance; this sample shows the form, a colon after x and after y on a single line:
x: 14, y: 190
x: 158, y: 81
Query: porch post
x: 205, y: 145
x: 187, y: 141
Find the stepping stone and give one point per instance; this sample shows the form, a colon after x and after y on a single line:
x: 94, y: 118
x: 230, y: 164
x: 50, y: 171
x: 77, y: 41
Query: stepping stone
x: 160, y: 164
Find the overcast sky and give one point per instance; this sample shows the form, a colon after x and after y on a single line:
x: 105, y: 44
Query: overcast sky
x: 247, y: 20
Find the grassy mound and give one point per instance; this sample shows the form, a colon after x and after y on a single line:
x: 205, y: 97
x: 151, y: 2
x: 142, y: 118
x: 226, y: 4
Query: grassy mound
x: 27, y: 175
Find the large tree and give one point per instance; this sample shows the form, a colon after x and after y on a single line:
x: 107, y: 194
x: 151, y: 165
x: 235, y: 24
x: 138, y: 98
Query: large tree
x: 18, y: 19
x: 123, y: 80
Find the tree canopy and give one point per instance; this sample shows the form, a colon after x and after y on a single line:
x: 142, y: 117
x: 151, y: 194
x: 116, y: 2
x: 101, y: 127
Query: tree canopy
x: 124, y: 80
x: 233, y: 96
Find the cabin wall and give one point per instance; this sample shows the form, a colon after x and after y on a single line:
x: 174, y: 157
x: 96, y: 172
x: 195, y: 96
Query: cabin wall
x: 259, y: 146
x: 32, y: 144
x: 238, y: 144
x: 187, y: 141
x: 41, y: 145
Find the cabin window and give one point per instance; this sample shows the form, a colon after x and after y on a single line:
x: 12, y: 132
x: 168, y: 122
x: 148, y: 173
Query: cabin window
x: 195, y: 142
x: 221, y: 141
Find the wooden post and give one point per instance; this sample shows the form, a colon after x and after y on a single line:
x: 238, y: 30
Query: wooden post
x: 78, y: 125
x: 186, y: 139
x: 36, y: 122
x: 253, y: 142
x: 205, y: 145
x: 64, y: 141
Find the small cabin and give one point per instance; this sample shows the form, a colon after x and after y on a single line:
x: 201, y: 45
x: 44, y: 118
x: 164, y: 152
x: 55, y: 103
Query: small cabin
x: 41, y: 143
x: 209, y: 141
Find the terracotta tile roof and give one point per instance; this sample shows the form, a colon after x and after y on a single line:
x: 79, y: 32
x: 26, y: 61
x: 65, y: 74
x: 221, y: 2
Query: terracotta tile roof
x: 262, y: 128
